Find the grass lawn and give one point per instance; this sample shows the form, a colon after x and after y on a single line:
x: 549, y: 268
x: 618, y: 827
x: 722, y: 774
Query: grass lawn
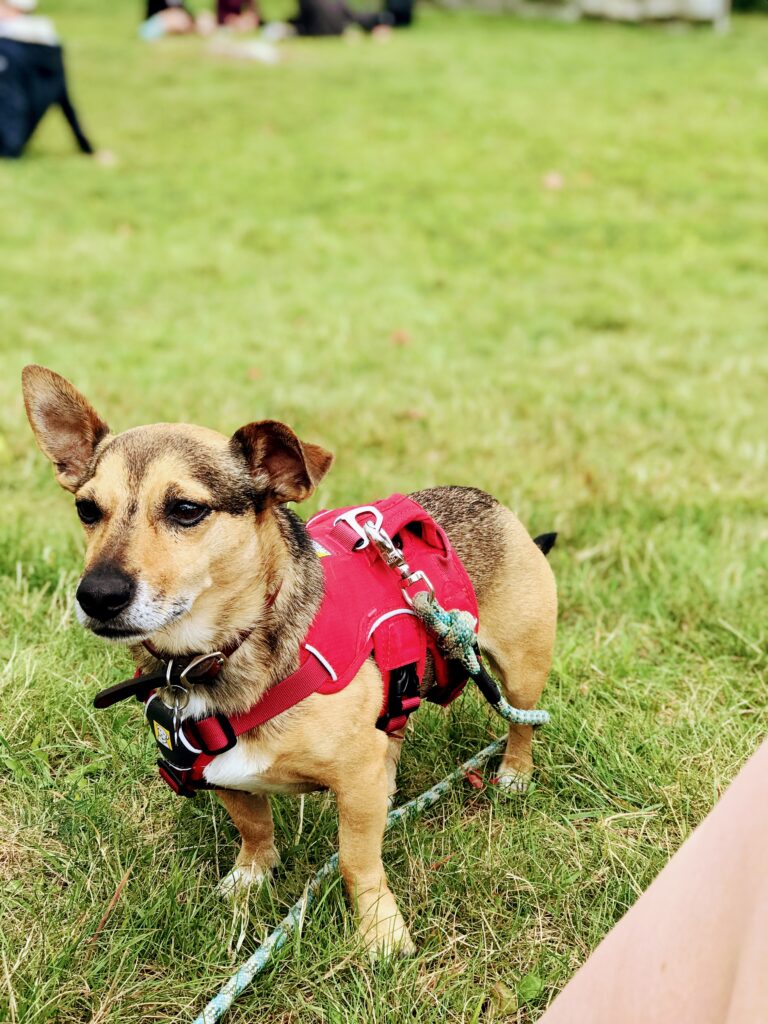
x: 359, y: 241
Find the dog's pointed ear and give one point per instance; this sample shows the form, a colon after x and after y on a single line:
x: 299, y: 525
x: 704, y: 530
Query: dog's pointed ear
x: 285, y: 467
x: 66, y: 426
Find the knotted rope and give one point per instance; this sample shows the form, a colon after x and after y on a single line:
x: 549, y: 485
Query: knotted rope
x: 455, y: 634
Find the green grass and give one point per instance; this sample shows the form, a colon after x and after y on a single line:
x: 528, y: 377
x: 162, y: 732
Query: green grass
x: 358, y: 242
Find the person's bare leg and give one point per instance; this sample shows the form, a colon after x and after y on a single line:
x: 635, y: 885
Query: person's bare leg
x: 177, y: 22
x: 694, y: 947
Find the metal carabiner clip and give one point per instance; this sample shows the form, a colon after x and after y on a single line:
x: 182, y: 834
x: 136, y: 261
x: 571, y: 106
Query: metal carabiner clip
x: 386, y: 547
x: 350, y: 518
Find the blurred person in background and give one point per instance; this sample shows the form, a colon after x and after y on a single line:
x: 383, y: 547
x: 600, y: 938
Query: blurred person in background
x: 334, y: 17
x: 239, y: 15
x: 32, y: 79
x: 174, y: 18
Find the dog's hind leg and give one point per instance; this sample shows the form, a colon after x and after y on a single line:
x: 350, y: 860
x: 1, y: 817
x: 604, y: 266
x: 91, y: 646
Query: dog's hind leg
x: 252, y: 815
x: 517, y: 633
x: 523, y: 678
x: 394, y: 749
x: 517, y: 600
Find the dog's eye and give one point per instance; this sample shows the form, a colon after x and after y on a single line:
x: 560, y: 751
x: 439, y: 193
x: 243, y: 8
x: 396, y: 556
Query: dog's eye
x: 88, y: 511
x: 187, y: 513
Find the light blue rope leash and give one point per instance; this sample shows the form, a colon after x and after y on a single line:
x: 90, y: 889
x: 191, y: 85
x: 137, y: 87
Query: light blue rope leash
x: 239, y: 981
x: 455, y: 633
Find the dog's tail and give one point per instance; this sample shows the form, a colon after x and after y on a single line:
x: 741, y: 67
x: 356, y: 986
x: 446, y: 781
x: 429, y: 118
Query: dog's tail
x: 545, y: 541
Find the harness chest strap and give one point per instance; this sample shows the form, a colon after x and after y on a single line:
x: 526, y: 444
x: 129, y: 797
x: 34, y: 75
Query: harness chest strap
x: 189, y: 747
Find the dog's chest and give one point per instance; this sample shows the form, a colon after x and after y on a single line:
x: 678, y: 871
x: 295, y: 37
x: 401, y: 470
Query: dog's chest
x: 251, y: 770
x: 254, y: 767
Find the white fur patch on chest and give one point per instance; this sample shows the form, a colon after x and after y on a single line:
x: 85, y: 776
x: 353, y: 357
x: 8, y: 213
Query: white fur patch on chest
x: 244, y: 768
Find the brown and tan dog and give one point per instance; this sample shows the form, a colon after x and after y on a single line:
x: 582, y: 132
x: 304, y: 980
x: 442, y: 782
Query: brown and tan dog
x: 187, y: 535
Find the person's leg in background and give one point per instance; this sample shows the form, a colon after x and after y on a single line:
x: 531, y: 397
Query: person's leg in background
x: 14, y: 106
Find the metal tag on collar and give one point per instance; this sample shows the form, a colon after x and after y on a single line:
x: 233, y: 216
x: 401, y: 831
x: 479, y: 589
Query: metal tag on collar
x: 350, y: 518
x: 167, y: 729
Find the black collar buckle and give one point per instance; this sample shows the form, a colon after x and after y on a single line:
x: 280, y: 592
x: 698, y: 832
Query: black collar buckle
x: 139, y: 687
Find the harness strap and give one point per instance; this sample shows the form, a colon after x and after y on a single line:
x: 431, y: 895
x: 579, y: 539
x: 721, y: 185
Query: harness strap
x: 384, y: 625
x: 212, y: 735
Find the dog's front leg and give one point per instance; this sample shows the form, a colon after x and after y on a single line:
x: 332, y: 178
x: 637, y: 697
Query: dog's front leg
x: 362, y: 804
x: 252, y: 815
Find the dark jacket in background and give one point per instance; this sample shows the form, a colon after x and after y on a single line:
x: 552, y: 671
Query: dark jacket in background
x: 32, y: 79
x: 332, y: 17
x: 233, y: 9
x: 158, y: 6
x: 401, y: 11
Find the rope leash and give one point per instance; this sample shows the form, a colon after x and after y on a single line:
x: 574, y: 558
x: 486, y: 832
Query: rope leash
x: 454, y: 630
x: 245, y: 974
x: 455, y: 633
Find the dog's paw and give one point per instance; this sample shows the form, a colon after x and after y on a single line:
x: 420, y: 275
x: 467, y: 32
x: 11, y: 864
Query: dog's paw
x: 389, y: 939
x: 511, y: 781
x: 242, y: 879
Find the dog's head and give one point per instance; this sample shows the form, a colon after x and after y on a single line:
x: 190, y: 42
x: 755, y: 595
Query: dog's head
x: 174, y: 514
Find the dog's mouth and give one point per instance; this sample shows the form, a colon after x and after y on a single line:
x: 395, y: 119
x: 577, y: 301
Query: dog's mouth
x: 113, y: 633
x: 135, y: 623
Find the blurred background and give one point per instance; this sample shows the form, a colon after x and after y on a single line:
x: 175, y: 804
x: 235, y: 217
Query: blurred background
x: 519, y: 249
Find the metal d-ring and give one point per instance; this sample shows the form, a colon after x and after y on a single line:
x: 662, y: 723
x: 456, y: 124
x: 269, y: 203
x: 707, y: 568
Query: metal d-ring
x: 174, y: 689
x: 200, y: 659
x: 417, y: 577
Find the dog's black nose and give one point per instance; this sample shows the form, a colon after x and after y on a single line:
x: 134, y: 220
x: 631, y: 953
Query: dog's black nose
x: 104, y: 591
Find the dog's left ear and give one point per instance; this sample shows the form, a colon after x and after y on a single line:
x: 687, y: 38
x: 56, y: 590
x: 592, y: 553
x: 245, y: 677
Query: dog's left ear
x: 66, y: 426
x: 288, y: 469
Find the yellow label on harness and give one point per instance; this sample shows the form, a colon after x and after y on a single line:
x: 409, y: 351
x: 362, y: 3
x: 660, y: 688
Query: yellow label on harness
x: 162, y: 735
x: 320, y: 551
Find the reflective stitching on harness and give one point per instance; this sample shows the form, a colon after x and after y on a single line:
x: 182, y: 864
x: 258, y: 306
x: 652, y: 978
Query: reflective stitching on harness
x: 185, y: 741
x: 318, y: 515
x: 323, y: 661
x: 388, y: 615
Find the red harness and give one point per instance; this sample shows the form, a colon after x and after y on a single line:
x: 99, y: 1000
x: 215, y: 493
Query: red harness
x: 364, y: 613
